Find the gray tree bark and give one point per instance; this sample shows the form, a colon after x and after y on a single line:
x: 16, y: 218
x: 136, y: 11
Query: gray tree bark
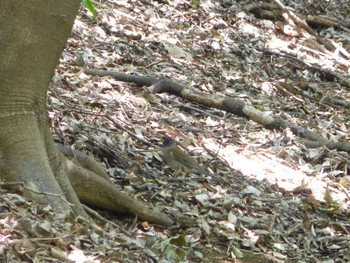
x: 32, y: 37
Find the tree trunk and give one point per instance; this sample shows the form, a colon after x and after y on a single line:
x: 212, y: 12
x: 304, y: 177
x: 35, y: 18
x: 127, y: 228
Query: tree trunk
x: 32, y: 37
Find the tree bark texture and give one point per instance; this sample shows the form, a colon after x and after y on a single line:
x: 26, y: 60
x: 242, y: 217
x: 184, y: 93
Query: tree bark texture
x: 32, y: 37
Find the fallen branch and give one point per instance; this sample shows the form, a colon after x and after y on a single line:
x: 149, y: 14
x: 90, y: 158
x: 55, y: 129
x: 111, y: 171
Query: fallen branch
x: 234, y: 106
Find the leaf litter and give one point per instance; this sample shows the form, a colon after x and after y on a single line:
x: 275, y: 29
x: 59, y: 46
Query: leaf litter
x: 278, y: 200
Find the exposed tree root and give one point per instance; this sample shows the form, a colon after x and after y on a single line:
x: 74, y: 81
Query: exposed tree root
x: 93, y: 188
x: 84, y: 160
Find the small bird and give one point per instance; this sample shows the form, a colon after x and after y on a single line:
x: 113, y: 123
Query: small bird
x: 177, y: 158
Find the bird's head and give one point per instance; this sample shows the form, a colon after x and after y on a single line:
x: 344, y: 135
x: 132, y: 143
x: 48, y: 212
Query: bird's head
x: 168, y: 141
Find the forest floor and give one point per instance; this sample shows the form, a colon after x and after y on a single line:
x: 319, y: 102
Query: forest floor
x: 278, y: 199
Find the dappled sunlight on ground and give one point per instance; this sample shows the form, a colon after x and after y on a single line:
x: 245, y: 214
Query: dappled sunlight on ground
x: 264, y: 166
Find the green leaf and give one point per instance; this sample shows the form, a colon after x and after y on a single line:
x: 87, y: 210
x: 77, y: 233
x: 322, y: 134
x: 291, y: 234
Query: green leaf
x: 90, y: 7
x: 172, y: 248
x: 179, y: 241
x: 196, y: 3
